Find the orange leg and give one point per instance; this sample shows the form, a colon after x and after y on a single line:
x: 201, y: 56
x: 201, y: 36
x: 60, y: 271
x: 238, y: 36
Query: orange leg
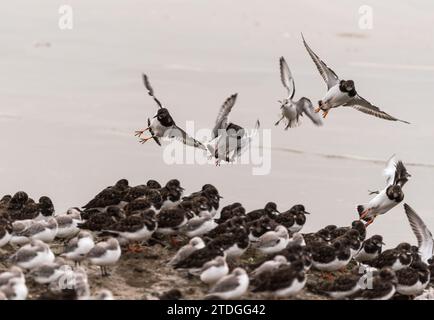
x: 317, y: 109
x: 325, y: 113
x: 143, y: 140
x: 139, y: 133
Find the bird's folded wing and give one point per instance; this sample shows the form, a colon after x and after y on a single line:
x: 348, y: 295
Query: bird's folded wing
x: 286, y: 78
x: 304, y: 106
x: 226, y: 284
x: 424, y: 237
x: 177, y: 133
x: 329, y: 76
x: 222, y: 117
x: 362, y: 105
x: 267, y: 240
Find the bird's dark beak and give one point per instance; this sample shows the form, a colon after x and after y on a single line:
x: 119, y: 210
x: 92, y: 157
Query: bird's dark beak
x: 277, y: 211
x: 220, y: 197
x: 383, y: 243
x: 181, y: 189
x: 305, y: 212
x: 154, y: 117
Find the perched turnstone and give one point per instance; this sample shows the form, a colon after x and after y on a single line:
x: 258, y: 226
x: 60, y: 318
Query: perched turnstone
x: 397, y: 258
x: 169, y: 221
x: 214, y: 270
x: 413, y: 280
x: 234, y: 243
x: 110, y: 196
x: 77, y: 248
x: 198, y: 258
x: 137, y: 227
x: 226, y: 226
x: 46, y: 208
x: 424, y: 236
x: 104, y: 254
x: 232, y: 210
x: 331, y: 257
x: 357, y: 225
x: 321, y: 236
x: 273, y: 241
x: 99, y: 221
x: 229, y: 139
x: 341, y: 287
x: 270, y: 210
x: 383, y: 286
x: 194, y: 244
x: 285, y: 281
x: 33, y: 255
x: 342, y: 92
x: 370, y: 249
x: 171, y: 193
x: 390, y: 196
x: 293, y: 110
x: 269, y: 265
x: 163, y: 125
x: 232, y: 286
x: 260, y: 226
x: 153, y: 200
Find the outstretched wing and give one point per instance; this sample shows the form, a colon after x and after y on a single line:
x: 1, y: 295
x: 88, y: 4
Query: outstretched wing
x: 150, y: 90
x: 286, y: 78
x: 177, y: 133
x: 424, y: 236
x: 222, y: 117
x: 304, y: 106
x: 362, y: 105
x: 245, y: 142
x: 390, y: 170
x: 401, y: 174
x: 329, y: 76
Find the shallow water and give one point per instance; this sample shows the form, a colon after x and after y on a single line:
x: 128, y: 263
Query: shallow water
x: 70, y: 100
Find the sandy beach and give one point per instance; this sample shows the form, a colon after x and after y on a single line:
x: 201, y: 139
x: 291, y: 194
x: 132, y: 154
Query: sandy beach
x: 71, y: 99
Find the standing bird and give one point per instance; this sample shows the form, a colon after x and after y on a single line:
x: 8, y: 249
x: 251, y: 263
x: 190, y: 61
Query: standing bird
x: 396, y: 176
x: 424, y: 236
x: 104, y: 254
x: 343, y: 92
x: 292, y: 110
x: 230, y: 139
x: 231, y: 286
x: 163, y: 125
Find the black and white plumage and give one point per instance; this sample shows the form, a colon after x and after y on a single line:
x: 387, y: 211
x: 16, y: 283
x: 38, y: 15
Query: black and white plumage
x: 285, y: 281
x: 293, y: 110
x: 396, y: 258
x: 341, y: 287
x: 396, y: 177
x: 269, y: 265
x: 109, y: 196
x: 163, y: 125
x: 383, y: 286
x: 414, y: 279
x: 77, y: 248
x: 199, y: 225
x: 273, y: 241
x: 343, y: 92
x: 370, y: 249
x: 136, y: 227
x: 423, y: 234
x: 333, y: 257
x: 231, y: 286
x: 229, y: 139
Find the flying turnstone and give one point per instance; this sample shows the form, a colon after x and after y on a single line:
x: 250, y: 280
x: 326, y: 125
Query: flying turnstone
x: 273, y: 241
x: 343, y: 92
x: 293, y: 110
x: 163, y: 125
x: 232, y: 286
x: 424, y: 236
x: 32, y: 255
x: 194, y: 244
x: 390, y: 196
x: 283, y: 282
x: 413, y: 280
x: 214, y: 270
x: 77, y: 248
x: 229, y: 139
x: 104, y: 254
x: 370, y: 249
